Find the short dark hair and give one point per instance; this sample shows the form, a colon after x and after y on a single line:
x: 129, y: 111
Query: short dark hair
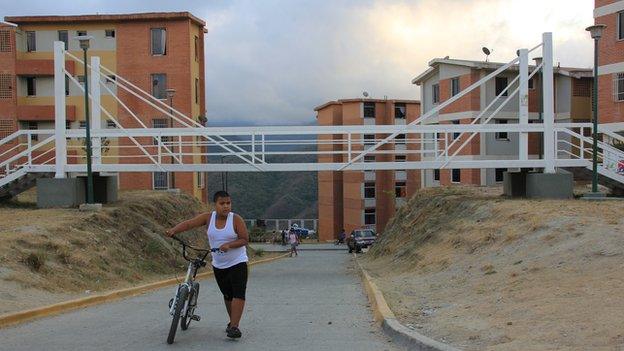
x: 218, y: 194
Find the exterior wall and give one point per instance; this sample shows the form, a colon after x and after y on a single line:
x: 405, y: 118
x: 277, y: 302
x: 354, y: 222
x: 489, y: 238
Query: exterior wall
x: 8, y: 105
x: 610, y: 61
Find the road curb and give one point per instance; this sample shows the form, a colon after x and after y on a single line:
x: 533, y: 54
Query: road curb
x: 66, y: 306
x: 399, y: 333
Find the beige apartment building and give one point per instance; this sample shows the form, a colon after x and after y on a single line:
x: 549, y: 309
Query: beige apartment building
x: 355, y: 199
x: 155, y: 51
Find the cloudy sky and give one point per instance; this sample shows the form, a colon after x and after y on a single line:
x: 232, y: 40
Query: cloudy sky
x: 272, y: 62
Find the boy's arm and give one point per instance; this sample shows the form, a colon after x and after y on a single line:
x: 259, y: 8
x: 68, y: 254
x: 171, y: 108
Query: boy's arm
x: 198, y: 221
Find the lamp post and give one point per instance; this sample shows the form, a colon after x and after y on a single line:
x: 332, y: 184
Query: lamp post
x: 84, y: 45
x: 170, y: 93
x: 596, y: 33
x: 538, y: 88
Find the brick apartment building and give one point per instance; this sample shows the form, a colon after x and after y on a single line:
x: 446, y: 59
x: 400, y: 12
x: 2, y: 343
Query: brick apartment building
x: 155, y: 51
x: 447, y: 77
x: 354, y: 199
x: 610, y: 60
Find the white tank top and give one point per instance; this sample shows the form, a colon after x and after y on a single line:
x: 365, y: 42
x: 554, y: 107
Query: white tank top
x: 218, y: 237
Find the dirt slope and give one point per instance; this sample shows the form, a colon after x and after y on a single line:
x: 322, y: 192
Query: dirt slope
x: 49, y: 255
x: 485, y: 273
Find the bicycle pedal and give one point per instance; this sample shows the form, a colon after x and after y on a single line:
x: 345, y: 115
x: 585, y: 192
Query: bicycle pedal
x: 196, y: 318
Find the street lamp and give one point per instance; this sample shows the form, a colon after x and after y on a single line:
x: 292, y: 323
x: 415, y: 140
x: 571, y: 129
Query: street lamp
x: 170, y: 93
x: 84, y: 45
x: 596, y: 33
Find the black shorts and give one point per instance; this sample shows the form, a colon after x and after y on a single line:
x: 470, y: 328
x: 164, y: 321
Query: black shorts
x: 232, y: 281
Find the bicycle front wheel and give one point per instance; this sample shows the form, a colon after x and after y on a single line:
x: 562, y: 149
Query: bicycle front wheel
x: 179, y: 305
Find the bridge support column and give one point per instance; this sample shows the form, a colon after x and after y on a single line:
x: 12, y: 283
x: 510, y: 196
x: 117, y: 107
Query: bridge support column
x: 549, y: 104
x: 60, y: 141
x: 523, y: 108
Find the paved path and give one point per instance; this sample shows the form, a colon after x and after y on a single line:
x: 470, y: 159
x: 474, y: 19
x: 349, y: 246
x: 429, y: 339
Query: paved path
x: 302, y: 247
x: 291, y: 303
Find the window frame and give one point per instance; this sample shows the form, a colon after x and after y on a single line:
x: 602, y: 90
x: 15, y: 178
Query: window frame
x: 31, y: 46
x: 398, y: 186
x: 197, y: 90
x: 370, y: 106
x: 162, y: 41
x: 81, y: 33
x: 368, y: 187
x: 398, y: 106
x: 456, y: 134
x: 436, y: 175
x: 369, y: 158
x: 111, y: 31
x: 166, y: 177
x: 400, y: 158
x: 196, y: 44
x: 502, y: 136
x: 370, y: 212
x: 33, y: 125
x: 164, y: 90
x: 33, y: 91
x: 620, y: 25
x: 455, y: 86
x: 66, y: 41
x: 618, y: 87
x: 453, y: 173
x: 500, y: 171
x: 158, y: 123
x: 367, y: 140
x: 435, y: 93
x: 498, y: 90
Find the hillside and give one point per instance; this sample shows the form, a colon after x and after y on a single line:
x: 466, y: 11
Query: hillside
x: 485, y: 273
x: 51, y: 255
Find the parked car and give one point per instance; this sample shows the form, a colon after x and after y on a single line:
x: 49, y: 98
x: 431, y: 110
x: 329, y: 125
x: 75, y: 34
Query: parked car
x: 360, y: 239
x: 303, y: 232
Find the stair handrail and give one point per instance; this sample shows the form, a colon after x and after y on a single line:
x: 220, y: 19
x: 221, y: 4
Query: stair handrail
x: 11, y: 136
x: 24, y: 153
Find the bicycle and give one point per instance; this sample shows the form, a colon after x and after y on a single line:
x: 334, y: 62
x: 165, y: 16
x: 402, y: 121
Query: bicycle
x: 182, y: 305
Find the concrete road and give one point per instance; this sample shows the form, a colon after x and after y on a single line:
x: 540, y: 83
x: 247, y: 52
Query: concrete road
x: 311, y: 302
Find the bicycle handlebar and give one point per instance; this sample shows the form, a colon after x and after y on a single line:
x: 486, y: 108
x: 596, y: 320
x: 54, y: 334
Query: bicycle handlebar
x: 185, y: 245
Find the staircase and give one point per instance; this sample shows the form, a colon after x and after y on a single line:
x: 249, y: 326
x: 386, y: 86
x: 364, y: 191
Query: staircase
x: 18, y: 182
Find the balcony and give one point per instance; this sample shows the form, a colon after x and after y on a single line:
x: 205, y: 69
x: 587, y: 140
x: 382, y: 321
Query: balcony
x: 42, y: 113
x: 40, y: 67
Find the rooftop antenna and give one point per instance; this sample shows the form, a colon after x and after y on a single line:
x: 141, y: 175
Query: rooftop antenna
x: 365, y: 94
x: 487, y: 53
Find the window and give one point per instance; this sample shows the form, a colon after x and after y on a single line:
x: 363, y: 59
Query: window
x: 455, y: 175
x: 64, y: 37
x: 66, y: 85
x: 161, y: 180
x: 200, y: 179
x: 67, y: 124
x: 110, y: 124
x: 83, y: 124
x: 111, y: 78
x: 400, y: 139
x: 196, y: 42
x: 499, y: 174
x: 159, y: 41
x: 456, y: 135
x: 531, y: 84
x: 620, y: 26
x: 369, y: 216
x: 81, y: 33
x: 369, y: 139
x: 33, y: 126
x: 399, y: 111
x: 436, y: 174
x: 197, y: 90
x: 400, y: 158
x: 31, y: 86
x: 369, y: 158
x: 6, y: 86
x: 159, y: 86
x: 5, y: 41
x: 435, y: 92
x: 161, y: 123
x: 502, y: 135
x: 400, y: 190
x: 454, y: 86
x: 501, y: 84
x: 369, y: 190
x: 81, y: 79
x: 369, y: 110
x: 618, y: 86
x: 31, y: 41
x: 109, y: 33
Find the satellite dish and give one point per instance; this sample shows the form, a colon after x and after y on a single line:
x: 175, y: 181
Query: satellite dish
x: 487, y: 53
x: 365, y: 94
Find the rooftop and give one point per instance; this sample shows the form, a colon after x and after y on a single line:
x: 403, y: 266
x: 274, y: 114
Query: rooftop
x: 435, y: 63
x: 341, y: 101
x: 148, y: 16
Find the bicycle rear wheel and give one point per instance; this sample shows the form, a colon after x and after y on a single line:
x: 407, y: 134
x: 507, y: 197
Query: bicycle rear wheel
x: 179, y: 305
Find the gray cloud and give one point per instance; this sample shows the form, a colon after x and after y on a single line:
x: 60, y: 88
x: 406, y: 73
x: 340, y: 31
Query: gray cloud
x: 272, y: 62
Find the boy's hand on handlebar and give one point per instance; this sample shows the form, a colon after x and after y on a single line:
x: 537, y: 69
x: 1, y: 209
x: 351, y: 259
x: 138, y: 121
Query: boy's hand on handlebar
x: 224, y: 248
x: 169, y: 232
